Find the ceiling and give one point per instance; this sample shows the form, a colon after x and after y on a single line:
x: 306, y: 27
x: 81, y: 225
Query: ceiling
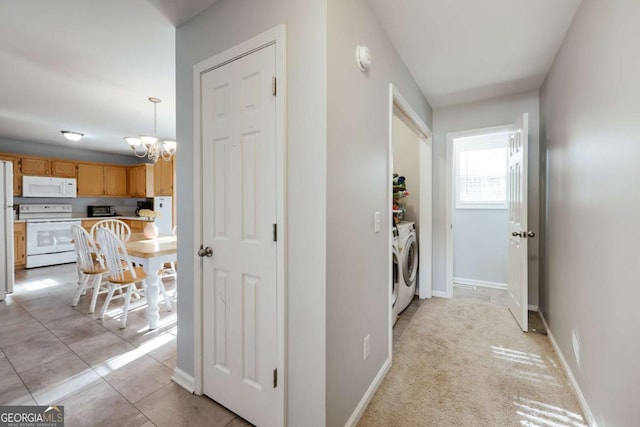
x: 90, y: 65
x: 461, y: 51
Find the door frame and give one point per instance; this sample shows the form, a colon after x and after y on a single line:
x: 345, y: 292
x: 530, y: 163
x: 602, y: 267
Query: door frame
x: 276, y: 36
x: 425, y: 276
x: 450, y: 199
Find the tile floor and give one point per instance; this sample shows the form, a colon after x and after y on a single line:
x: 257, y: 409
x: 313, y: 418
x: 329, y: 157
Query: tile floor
x: 51, y: 353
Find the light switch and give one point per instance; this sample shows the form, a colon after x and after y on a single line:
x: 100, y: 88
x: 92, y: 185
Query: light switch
x: 376, y: 222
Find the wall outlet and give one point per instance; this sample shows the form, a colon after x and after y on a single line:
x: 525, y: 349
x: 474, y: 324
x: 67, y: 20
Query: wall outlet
x: 367, y: 346
x: 376, y: 222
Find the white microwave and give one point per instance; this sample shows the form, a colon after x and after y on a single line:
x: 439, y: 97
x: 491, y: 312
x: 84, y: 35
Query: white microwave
x: 43, y: 186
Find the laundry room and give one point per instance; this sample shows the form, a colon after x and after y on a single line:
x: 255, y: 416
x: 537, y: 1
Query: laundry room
x: 411, y: 207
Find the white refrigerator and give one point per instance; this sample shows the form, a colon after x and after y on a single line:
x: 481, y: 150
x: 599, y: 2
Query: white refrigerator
x: 163, y: 206
x: 7, y: 274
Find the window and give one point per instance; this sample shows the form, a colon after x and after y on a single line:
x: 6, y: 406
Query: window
x: 481, y: 172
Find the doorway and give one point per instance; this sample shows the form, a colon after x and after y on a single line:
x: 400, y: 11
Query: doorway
x: 410, y: 174
x: 487, y: 173
x: 480, y: 211
x: 239, y: 212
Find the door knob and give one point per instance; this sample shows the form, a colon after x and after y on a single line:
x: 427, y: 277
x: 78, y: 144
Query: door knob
x: 531, y: 234
x: 516, y: 234
x: 205, y: 252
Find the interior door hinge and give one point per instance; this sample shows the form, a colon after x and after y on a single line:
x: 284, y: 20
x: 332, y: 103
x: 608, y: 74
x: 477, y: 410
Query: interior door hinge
x: 274, y: 90
x: 275, y: 378
x: 275, y: 232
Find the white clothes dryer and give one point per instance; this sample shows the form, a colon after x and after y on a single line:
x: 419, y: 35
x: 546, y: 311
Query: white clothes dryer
x: 396, y: 275
x: 408, y: 245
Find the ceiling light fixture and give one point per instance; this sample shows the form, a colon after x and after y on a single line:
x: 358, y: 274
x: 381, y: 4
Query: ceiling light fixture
x: 152, y: 147
x: 72, y: 136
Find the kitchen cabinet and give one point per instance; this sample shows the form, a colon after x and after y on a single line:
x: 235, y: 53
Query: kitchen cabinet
x: 90, y: 179
x: 141, y: 180
x: 35, y: 166
x: 115, y: 181
x: 102, y: 180
x: 17, y: 175
x: 163, y: 173
x: 88, y: 223
x: 19, y: 244
x: 63, y: 169
x: 136, y: 225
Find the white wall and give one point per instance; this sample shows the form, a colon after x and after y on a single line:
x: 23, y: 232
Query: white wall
x: 480, y: 244
x: 406, y: 162
x: 591, y: 128
x: 357, y: 185
x: 226, y: 24
x: 493, y: 112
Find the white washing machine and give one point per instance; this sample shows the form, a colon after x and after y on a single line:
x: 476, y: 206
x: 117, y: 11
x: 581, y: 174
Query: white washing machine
x: 396, y: 275
x: 408, y: 245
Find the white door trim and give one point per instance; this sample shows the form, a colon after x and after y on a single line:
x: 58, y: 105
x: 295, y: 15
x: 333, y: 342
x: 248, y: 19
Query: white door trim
x: 276, y: 36
x: 449, y: 223
x: 426, y: 194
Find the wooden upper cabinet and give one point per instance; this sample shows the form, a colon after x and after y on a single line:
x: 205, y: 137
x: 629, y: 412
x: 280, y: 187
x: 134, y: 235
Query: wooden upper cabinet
x: 63, y: 169
x: 141, y: 180
x: 90, y: 179
x: 115, y: 181
x: 35, y: 166
x: 163, y: 177
x: 17, y: 175
x: 102, y: 180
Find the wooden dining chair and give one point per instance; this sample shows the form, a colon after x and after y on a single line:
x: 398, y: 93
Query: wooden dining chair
x: 122, y: 274
x: 119, y: 228
x: 91, y: 266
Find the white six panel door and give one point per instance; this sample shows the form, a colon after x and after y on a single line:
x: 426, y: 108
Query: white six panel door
x: 239, y: 213
x: 518, y: 286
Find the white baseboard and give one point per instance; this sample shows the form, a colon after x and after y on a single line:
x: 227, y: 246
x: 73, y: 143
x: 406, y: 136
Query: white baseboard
x: 441, y: 294
x: 574, y: 384
x: 481, y: 283
x: 533, y: 308
x: 184, y: 380
x: 371, y: 391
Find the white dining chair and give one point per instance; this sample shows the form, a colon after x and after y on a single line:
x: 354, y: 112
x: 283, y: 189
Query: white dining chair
x: 122, y: 275
x: 119, y: 228
x: 90, y: 266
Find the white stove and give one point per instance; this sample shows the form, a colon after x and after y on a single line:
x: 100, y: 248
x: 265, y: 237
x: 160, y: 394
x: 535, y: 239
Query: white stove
x: 49, y: 238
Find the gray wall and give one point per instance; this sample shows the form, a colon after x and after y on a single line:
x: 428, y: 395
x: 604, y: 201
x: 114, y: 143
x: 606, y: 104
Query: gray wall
x: 493, y: 112
x: 357, y: 184
x: 480, y: 244
x: 49, y: 150
x: 406, y: 162
x: 591, y: 123
x: 224, y: 25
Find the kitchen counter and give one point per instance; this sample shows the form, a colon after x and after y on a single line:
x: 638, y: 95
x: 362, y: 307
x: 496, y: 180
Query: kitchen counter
x: 86, y: 218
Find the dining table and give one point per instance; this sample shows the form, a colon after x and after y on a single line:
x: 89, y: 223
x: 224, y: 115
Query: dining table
x: 152, y: 254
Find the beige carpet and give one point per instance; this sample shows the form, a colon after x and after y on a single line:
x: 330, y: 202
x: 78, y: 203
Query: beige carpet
x: 461, y: 363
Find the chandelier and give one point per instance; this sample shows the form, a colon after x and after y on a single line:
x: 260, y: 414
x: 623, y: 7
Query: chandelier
x: 150, y: 146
